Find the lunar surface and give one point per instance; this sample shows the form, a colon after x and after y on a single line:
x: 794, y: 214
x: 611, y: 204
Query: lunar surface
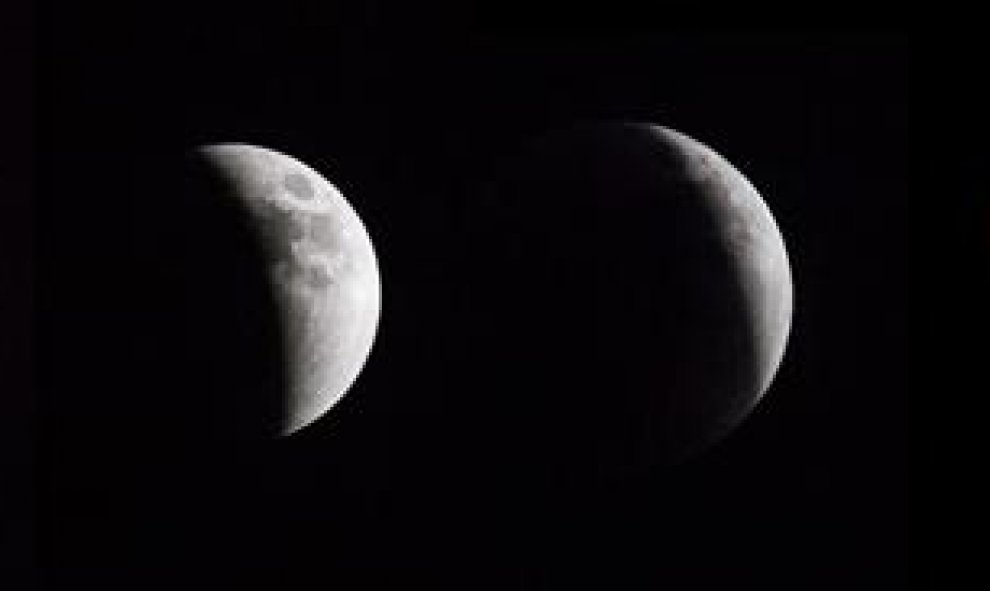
x: 653, y: 288
x: 322, y: 267
x: 749, y: 232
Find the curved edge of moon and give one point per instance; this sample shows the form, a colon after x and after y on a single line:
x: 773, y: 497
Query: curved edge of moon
x: 754, y: 236
x: 322, y: 265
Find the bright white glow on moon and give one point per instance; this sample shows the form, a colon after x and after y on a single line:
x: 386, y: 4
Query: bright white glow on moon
x: 323, y: 268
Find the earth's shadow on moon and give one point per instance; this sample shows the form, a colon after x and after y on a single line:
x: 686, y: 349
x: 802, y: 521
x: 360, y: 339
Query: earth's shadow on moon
x: 174, y: 384
x: 234, y: 345
x: 210, y: 348
x: 615, y: 337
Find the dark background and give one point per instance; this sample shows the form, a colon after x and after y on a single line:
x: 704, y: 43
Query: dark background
x: 406, y: 110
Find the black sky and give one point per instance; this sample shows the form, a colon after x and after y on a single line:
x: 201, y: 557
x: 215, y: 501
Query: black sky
x: 407, y: 112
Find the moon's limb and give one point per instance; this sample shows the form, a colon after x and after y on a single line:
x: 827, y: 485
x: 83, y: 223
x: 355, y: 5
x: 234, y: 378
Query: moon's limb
x: 322, y: 266
x: 659, y: 298
x: 751, y: 235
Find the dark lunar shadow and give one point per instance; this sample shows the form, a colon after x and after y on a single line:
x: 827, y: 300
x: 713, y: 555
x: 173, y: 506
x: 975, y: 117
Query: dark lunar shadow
x: 619, y: 339
x: 185, y: 350
x: 233, y: 344
x: 168, y: 374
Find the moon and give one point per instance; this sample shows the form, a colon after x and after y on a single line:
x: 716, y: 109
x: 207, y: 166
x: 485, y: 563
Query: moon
x: 652, y: 285
x: 750, y: 234
x: 322, y: 267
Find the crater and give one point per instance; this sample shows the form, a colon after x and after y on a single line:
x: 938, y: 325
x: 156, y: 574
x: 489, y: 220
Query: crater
x: 300, y: 187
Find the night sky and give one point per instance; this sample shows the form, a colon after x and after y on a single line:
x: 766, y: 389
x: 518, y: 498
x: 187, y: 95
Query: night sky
x: 407, y: 111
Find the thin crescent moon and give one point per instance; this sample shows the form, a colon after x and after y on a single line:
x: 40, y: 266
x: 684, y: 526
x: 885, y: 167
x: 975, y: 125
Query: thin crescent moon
x: 750, y: 233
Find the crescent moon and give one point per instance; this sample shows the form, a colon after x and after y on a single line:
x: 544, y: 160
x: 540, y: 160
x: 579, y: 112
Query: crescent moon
x: 658, y: 294
x: 322, y: 266
x: 750, y: 233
